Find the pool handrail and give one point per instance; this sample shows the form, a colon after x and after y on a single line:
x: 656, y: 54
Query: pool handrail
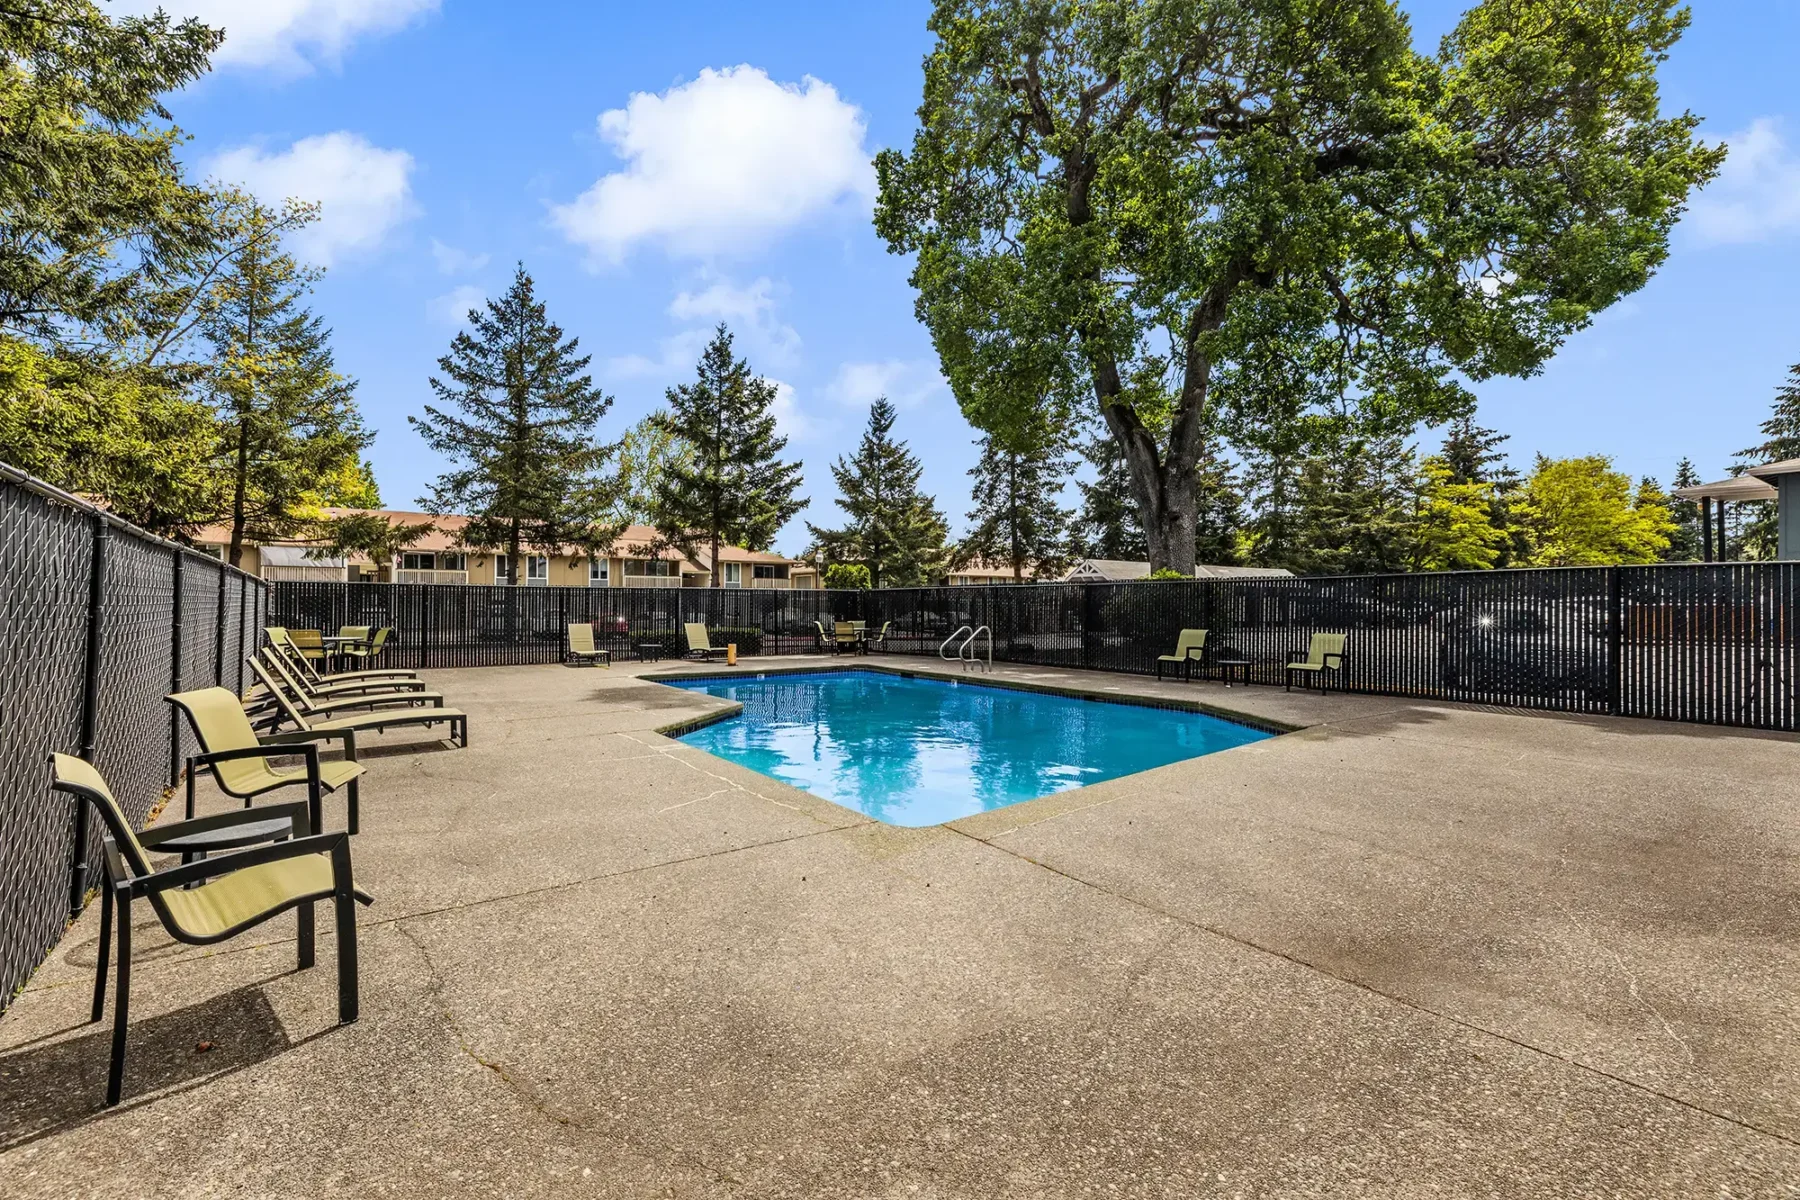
x: 960, y: 630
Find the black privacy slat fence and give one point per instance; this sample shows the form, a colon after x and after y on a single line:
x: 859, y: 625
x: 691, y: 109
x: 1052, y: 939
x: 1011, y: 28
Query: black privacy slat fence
x: 98, y: 621
x: 1689, y: 642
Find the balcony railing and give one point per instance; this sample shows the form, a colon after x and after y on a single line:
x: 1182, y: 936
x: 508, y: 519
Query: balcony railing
x: 650, y: 581
x: 405, y: 576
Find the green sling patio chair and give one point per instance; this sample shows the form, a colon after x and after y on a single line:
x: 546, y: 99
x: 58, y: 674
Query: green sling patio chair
x: 845, y: 636
x: 309, y: 642
x: 378, y: 721
x: 879, y: 639
x: 239, y: 759
x: 339, y: 685
x: 234, y: 892
x: 369, y: 693
x: 824, y: 638
x: 369, y: 651
x: 697, y: 644
x: 282, y: 639
x: 582, y: 648
x: 1324, y: 653
x: 1188, y: 647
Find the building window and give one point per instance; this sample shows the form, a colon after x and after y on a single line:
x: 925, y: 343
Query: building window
x: 598, y: 569
x: 770, y: 571
x: 661, y: 567
x: 537, y: 570
x: 734, y: 575
x: 502, y: 570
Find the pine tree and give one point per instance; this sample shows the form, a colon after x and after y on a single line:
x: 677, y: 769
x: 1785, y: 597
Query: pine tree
x: 1219, y: 510
x: 1684, y: 541
x: 1107, y: 524
x: 1018, y: 519
x: 732, y: 486
x: 289, y: 419
x: 894, y: 529
x: 1355, y: 511
x: 1759, y: 531
x: 1474, y: 456
x: 518, y: 423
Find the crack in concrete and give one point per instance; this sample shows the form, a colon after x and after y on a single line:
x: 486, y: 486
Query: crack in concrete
x: 1631, y: 983
x: 729, y: 784
x: 1402, y: 1001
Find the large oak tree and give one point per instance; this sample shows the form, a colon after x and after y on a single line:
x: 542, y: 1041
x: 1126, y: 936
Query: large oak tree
x: 1269, y: 207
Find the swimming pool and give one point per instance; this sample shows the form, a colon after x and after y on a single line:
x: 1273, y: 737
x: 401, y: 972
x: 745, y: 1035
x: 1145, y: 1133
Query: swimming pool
x: 917, y: 751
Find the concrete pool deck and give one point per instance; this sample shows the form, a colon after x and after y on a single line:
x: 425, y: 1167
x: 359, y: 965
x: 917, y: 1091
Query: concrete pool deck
x: 1413, y: 949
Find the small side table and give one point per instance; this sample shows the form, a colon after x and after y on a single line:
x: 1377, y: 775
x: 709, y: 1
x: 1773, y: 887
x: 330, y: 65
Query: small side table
x: 649, y: 651
x: 1228, y: 665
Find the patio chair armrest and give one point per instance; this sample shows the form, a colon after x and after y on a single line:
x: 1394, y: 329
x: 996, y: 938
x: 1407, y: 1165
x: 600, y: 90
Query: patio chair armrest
x: 236, y: 860
x: 1334, y: 661
x: 296, y: 736
x: 209, y: 758
x: 293, y: 810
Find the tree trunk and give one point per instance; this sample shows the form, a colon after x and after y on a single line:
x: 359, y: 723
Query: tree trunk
x: 235, y: 556
x: 718, y: 568
x: 512, y: 555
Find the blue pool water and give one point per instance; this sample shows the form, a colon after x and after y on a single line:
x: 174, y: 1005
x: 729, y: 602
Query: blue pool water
x: 912, y: 751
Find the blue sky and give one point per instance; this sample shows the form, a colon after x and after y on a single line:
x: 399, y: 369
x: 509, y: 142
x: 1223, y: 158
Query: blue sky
x: 662, y: 167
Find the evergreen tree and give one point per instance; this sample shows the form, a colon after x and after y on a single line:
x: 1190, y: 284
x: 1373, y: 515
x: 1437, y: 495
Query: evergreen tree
x: 893, y: 529
x: 1354, y: 509
x: 1018, y: 519
x: 1107, y: 525
x: 1758, y: 532
x: 732, y: 485
x: 1219, y: 510
x: 289, y: 419
x: 644, y: 454
x: 1684, y: 541
x: 518, y: 424
x: 1474, y: 456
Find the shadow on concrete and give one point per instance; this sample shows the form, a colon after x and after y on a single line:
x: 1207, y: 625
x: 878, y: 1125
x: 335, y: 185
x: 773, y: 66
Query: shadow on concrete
x: 50, y: 1086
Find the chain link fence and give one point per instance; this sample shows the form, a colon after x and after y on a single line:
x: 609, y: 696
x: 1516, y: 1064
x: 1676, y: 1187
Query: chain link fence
x: 98, y: 621
x: 1712, y: 643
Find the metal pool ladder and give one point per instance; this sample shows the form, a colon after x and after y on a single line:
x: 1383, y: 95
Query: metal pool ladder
x: 963, y: 641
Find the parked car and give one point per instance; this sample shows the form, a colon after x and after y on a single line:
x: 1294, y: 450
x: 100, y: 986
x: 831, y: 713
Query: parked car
x: 1525, y: 649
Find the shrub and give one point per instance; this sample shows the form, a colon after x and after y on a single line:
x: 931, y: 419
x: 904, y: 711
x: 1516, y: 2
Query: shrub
x: 848, y: 575
x: 1168, y: 573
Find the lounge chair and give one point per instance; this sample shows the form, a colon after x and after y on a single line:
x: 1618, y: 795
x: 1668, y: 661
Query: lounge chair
x: 1188, y: 647
x: 1324, y: 653
x: 235, y: 892
x: 239, y: 759
x: 362, y: 693
x: 582, y: 648
x: 378, y: 720
x: 283, y: 641
x: 353, y: 683
x: 698, y: 645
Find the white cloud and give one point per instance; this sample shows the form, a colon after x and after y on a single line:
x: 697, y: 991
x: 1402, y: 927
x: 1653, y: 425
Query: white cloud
x: 289, y: 36
x: 749, y: 311
x: 453, y: 261
x: 860, y: 384
x: 789, y: 420
x: 452, y: 308
x: 725, y: 162
x: 363, y: 191
x: 1757, y: 194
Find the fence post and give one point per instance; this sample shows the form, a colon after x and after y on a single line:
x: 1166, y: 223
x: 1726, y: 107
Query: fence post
x: 1615, y: 641
x: 90, y: 711
x: 422, y: 602
x: 219, y: 632
x: 175, y: 674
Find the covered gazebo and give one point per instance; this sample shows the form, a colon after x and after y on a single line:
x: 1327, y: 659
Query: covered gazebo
x: 1778, y: 481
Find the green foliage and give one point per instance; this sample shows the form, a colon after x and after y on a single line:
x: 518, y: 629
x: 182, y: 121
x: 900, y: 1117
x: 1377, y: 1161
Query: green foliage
x: 1168, y: 573
x: 288, y: 419
x: 1275, y: 209
x: 125, y: 436
x: 352, y: 485
x: 731, y: 486
x: 1684, y: 540
x: 644, y: 454
x: 1760, y: 534
x: 1018, y: 520
x: 519, y: 424
x: 1579, y: 512
x: 893, y: 528
x: 1107, y: 525
x: 847, y: 575
x: 1354, y: 509
x: 379, y: 538
x: 1454, y: 529
x: 95, y: 218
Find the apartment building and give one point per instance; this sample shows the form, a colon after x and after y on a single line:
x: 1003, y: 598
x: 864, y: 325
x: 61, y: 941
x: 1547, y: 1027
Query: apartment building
x: 439, y: 557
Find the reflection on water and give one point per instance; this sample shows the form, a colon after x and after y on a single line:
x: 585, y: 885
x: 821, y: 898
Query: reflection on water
x: 923, y: 751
